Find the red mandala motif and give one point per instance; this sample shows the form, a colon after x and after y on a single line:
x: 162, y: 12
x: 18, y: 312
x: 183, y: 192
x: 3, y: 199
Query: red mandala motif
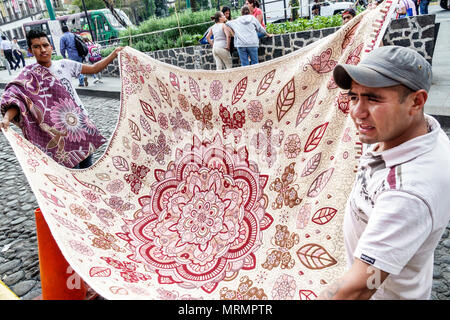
x: 204, y: 218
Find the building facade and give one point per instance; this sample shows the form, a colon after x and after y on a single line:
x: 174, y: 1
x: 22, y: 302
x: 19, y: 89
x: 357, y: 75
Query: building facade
x: 14, y: 13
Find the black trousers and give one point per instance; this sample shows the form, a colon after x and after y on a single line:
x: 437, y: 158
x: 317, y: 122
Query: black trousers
x: 10, y: 58
x: 19, y: 57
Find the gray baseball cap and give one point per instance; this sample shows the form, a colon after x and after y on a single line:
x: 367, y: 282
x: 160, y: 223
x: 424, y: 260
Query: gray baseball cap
x: 385, y: 67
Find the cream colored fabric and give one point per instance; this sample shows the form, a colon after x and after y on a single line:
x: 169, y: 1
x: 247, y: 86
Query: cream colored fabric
x: 215, y: 184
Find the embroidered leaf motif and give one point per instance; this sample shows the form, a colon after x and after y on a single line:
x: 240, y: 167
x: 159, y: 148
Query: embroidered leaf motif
x: 145, y: 124
x: 324, y: 215
x: 306, y: 107
x: 61, y: 183
x: 314, y: 256
x: 239, y: 90
x: 120, y: 163
x: 100, y: 272
x: 174, y: 81
x: 307, y: 295
x: 286, y: 99
x: 135, y: 132
x: 164, y: 92
x: 265, y: 82
x: 354, y: 56
x: 312, y: 165
x: 319, y: 183
x: 315, y: 136
x: 195, y: 89
x: 148, y: 110
x: 154, y: 95
x: 103, y: 176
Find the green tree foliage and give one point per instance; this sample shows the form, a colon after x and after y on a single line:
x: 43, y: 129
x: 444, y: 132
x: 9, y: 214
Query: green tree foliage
x: 90, y: 4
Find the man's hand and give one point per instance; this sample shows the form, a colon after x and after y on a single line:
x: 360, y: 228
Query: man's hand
x: 116, y: 51
x: 4, y: 124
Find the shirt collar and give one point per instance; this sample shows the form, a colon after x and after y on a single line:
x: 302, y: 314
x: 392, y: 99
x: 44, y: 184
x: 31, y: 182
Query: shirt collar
x: 410, y: 149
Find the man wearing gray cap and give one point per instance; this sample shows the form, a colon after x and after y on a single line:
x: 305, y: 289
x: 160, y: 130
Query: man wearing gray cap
x: 399, y: 206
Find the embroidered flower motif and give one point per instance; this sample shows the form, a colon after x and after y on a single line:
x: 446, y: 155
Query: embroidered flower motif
x: 284, y: 288
x: 204, y: 217
x: 67, y: 117
x: 255, y: 111
x: 216, y: 90
x: 163, y: 121
x: 292, y: 147
x: 115, y: 186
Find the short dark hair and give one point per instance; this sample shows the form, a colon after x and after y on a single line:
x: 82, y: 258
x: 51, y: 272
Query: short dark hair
x: 403, y: 92
x: 245, y: 10
x: 4, y: 37
x: 350, y: 11
x: 65, y: 28
x: 35, y: 34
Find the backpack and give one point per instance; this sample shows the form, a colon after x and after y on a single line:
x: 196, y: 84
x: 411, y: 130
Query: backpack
x: 94, y: 53
x: 81, y: 47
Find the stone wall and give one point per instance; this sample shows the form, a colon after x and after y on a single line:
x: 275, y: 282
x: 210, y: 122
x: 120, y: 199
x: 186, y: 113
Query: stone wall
x: 414, y: 32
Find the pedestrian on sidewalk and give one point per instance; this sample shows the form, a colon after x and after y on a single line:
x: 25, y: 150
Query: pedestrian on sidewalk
x: 255, y: 11
x: 42, y: 102
x: 17, y: 54
x: 6, y: 48
x: 398, y: 208
x: 246, y: 39
x: 93, y: 57
x: 221, y: 43
x: 423, y: 6
x: 67, y: 45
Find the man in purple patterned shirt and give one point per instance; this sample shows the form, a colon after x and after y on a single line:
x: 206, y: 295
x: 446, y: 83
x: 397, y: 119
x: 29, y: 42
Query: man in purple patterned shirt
x: 44, y: 104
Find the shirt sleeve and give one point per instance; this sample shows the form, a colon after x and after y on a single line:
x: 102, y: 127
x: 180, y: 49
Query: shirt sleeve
x: 74, y: 67
x: 398, y: 225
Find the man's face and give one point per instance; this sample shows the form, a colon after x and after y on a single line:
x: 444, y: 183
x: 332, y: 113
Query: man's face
x: 346, y: 17
x: 380, y: 116
x: 42, y: 50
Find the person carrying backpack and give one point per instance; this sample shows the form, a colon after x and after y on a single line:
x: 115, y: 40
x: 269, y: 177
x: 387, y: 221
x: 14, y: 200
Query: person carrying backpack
x: 68, y: 44
x: 93, y: 56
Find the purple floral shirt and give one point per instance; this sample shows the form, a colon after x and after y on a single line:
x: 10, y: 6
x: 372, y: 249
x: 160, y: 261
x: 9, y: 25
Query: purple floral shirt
x: 50, y: 117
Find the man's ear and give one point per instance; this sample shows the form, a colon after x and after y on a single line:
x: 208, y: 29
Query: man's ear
x: 419, y: 98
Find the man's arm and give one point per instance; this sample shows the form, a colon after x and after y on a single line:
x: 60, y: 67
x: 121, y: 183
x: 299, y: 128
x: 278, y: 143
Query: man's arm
x: 99, y: 66
x: 10, y: 114
x: 358, y: 283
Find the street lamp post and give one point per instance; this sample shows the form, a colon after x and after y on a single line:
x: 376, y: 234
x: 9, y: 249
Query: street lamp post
x: 88, y: 21
x: 51, y: 12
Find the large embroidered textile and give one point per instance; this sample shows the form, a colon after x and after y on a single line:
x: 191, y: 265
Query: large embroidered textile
x: 50, y: 116
x: 215, y: 184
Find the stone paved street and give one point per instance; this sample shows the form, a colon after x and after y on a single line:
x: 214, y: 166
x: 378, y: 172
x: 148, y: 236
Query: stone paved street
x: 19, y: 263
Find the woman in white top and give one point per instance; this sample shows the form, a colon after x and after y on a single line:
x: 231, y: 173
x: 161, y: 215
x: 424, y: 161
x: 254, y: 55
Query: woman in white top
x: 221, y: 42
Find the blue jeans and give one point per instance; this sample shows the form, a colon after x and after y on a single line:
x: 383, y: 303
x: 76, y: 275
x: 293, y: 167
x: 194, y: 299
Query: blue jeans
x: 423, y: 6
x: 245, y: 52
x: 81, y: 76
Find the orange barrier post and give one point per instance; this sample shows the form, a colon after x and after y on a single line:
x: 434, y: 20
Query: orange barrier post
x: 56, y: 280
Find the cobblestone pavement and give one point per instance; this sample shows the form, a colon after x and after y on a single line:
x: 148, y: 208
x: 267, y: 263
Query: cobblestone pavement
x: 19, y: 261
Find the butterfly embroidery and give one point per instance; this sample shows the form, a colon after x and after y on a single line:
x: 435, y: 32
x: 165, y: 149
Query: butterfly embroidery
x: 280, y: 256
x: 231, y: 123
x: 204, y: 116
x: 135, y: 178
x: 118, y: 205
x: 158, y: 149
x: 322, y: 63
x: 286, y: 194
x: 178, y: 122
x: 349, y: 37
x: 266, y: 142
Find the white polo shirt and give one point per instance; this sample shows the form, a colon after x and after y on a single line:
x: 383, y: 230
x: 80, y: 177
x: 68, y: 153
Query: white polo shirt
x: 398, y: 210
